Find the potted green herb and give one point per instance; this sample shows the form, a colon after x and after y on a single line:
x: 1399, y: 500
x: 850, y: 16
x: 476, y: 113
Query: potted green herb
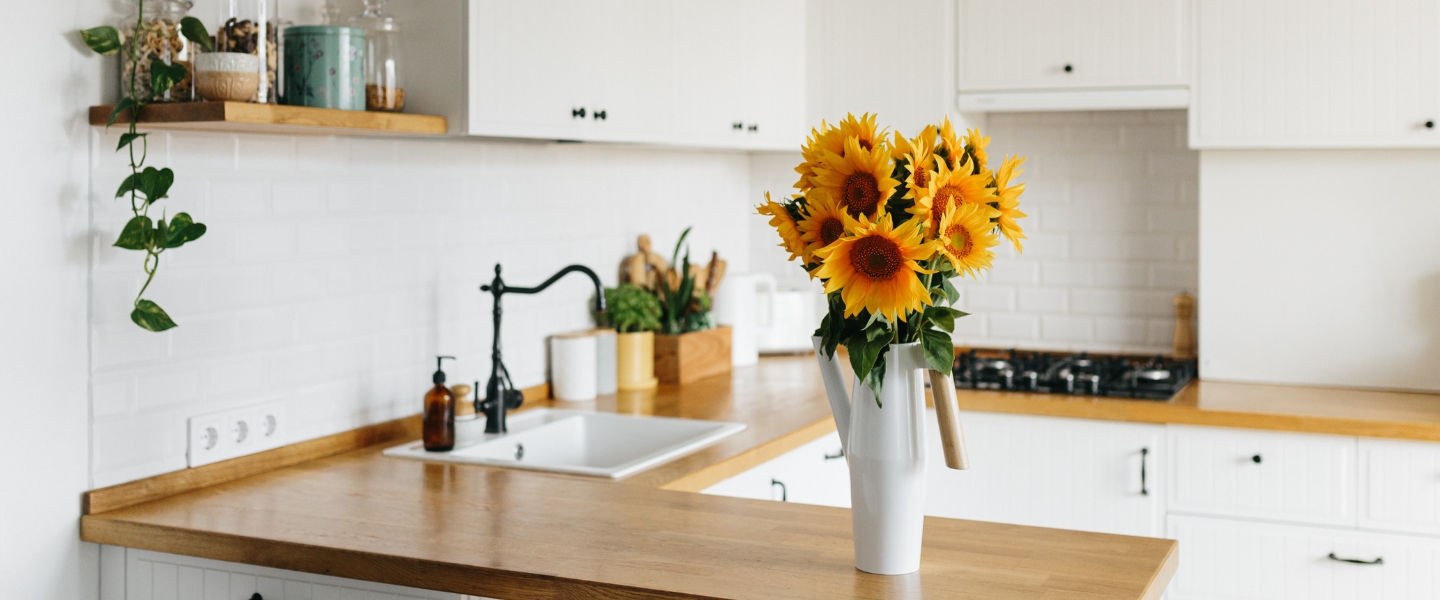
x: 691, y: 347
x: 635, y: 315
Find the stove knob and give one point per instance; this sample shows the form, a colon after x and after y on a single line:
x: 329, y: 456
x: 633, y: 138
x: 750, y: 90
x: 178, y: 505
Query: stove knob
x: 1008, y: 378
x: 1069, y: 383
x: 1032, y: 381
x: 1094, y: 381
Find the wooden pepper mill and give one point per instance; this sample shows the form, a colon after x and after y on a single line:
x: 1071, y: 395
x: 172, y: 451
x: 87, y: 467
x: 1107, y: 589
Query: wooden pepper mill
x: 1184, y: 325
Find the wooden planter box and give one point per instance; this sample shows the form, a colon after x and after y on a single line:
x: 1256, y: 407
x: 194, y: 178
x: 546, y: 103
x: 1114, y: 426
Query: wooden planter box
x: 685, y: 358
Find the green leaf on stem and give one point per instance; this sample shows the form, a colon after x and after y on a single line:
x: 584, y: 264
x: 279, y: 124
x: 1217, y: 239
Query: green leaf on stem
x: 181, y: 229
x: 194, y: 31
x: 165, y: 76
x: 137, y: 234
x: 939, y: 350
x: 128, y: 185
x: 126, y: 139
x: 150, y: 316
x: 104, y: 40
x: 943, y: 317
x: 951, y: 294
x: 125, y: 104
x: 155, y: 183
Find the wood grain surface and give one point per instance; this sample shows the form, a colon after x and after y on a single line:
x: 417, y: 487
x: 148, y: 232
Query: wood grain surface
x: 687, y: 358
x: 246, y: 117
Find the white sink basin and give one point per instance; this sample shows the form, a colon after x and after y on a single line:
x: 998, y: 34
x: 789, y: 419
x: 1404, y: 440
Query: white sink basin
x: 582, y: 442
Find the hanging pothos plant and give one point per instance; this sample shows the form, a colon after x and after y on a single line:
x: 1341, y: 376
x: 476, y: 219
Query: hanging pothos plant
x: 147, y: 185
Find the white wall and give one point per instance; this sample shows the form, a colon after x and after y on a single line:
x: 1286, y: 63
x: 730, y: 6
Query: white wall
x: 1321, y: 267
x: 43, y: 361
x: 1112, y: 233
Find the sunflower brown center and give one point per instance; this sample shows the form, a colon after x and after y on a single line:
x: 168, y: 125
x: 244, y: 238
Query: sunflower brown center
x: 875, y: 257
x: 960, y: 241
x: 831, y: 230
x: 862, y: 194
x: 944, y: 198
x: 922, y: 178
x: 864, y: 143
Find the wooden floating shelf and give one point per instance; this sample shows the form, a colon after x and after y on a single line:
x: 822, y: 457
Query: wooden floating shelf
x: 246, y: 117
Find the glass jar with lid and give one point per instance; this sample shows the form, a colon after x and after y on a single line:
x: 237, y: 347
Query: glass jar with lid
x: 384, y: 86
x: 252, y: 27
x: 156, y: 37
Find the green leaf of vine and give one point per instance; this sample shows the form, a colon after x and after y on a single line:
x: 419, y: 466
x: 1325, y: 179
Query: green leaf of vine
x: 155, y: 183
x: 104, y: 40
x: 194, y: 31
x: 136, y: 234
x: 182, y: 229
x: 149, y: 315
x: 127, y: 138
x: 127, y: 185
x: 163, y: 76
x: 125, y: 104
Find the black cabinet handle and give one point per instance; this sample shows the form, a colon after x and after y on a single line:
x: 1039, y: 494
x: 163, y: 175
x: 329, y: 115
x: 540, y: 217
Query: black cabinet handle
x: 1429, y: 124
x: 256, y: 596
x: 1144, y: 489
x: 754, y: 127
x: 1069, y: 68
x: 1379, y: 560
x: 599, y: 115
x: 737, y: 126
x: 784, y: 493
x: 840, y: 454
x: 577, y: 113
x: 1256, y: 459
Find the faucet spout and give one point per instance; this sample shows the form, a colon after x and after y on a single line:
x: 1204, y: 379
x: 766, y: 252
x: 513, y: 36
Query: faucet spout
x: 500, y: 392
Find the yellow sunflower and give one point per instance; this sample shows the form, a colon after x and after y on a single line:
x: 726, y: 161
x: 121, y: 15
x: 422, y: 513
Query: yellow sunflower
x: 951, y: 143
x: 919, y: 157
x: 863, y: 129
x: 859, y: 180
x: 824, y: 223
x: 789, y: 230
x: 975, y: 144
x: 876, y: 268
x: 966, y: 237
x: 1010, y: 199
x: 949, y: 188
x: 822, y: 139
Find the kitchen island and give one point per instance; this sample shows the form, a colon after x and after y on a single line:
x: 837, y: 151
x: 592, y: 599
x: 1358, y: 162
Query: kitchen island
x: 505, y: 533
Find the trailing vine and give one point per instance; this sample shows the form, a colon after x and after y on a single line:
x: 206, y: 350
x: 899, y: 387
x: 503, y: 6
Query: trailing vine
x: 147, y: 185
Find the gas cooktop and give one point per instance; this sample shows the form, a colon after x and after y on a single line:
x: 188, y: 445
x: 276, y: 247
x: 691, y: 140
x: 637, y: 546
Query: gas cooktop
x: 1082, y: 374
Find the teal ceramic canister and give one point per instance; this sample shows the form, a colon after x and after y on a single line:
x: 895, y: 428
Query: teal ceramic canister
x: 325, y: 66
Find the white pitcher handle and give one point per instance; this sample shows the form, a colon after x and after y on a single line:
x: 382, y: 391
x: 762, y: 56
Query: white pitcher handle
x: 835, y: 391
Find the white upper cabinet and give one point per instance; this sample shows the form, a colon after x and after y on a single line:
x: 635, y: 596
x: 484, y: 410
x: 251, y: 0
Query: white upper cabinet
x: 645, y: 71
x: 1316, y: 74
x: 1073, y: 54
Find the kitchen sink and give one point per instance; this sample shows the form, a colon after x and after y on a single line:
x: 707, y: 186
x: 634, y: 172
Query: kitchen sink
x: 582, y: 442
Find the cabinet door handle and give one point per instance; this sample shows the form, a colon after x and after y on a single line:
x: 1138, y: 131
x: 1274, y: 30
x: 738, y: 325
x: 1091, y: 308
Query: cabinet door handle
x: 1069, y: 68
x: 577, y: 113
x: 600, y: 115
x: 1144, y: 489
x: 737, y: 126
x: 1379, y: 560
x: 838, y: 454
x: 784, y: 493
x: 1430, y: 124
x: 1256, y: 459
x: 754, y: 127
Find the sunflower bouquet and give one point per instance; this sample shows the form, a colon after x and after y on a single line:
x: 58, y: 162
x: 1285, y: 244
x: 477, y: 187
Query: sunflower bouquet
x: 885, y: 222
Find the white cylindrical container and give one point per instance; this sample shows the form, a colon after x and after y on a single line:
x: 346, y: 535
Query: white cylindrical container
x: 573, y: 367
x: 736, y: 303
x: 606, y: 374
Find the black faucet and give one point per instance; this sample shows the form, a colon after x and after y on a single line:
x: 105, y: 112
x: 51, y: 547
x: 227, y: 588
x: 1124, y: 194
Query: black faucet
x: 500, y: 392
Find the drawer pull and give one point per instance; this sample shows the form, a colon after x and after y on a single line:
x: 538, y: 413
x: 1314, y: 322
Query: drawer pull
x: 838, y: 454
x: 1355, y: 561
x: 784, y: 493
x: 1144, y: 491
x: 1256, y: 459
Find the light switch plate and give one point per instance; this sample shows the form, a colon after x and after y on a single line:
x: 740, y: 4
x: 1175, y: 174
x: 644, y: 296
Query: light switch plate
x: 237, y: 432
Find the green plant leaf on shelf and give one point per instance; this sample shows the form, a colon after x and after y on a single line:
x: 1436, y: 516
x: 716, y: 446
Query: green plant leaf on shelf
x: 939, y: 350
x: 136, y: 234
x: 194, y: 31
x: 165, y: 76
x: 103, y: 40
x: 125, y: 140
x: 180, y: 230
x: 150, y: 316
x: 123, y: 105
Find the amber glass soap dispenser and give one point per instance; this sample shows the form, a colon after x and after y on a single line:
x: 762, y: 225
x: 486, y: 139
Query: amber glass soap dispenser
x: 439, y: 428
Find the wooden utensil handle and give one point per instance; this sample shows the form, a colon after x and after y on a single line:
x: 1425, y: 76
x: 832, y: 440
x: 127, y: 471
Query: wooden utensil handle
x: 947, y: 408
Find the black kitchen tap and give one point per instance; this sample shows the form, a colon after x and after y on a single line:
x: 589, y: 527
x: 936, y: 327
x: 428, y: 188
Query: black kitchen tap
x: 500, y: 392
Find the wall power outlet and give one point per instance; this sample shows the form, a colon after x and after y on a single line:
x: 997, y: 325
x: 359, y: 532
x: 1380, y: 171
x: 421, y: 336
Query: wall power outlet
x: 236, y: 432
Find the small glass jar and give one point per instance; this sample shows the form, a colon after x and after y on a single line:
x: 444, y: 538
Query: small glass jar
x: 253, y: 28
x: 158, y: 37
x: 384, y: 87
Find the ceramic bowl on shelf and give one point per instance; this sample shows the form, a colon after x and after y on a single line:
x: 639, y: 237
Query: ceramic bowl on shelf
x: 227, y: 76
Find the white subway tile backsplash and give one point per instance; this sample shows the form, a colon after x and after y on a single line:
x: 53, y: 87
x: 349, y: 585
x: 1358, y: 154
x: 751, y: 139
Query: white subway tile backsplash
x: 1126, y: 332
x: 989, y: 299
x: 1067, y: 329
x: 1068, y: 273
x: 1044, y: 300
x: 1014, y: 327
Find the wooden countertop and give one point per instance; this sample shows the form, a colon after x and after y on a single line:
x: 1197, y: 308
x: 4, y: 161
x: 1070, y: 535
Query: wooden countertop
x: 518, y: 534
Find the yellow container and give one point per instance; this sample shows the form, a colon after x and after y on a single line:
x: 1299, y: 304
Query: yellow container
x: 635, y: 361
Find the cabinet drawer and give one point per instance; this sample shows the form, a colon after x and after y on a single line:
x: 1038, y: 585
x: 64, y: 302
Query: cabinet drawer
x: 1400, y: 486
x: 804, y: 475
x: 1282, y: 476
x: 1241, y: 560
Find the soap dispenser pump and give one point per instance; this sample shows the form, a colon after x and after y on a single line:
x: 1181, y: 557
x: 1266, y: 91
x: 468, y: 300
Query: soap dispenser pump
x: 439, y: 416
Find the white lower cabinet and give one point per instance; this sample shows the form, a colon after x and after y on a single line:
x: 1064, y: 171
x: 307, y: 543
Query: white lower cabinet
x: 130, y: 574
x: 815, y: 473
x: 1401, y: 486
x: 1223, y: 559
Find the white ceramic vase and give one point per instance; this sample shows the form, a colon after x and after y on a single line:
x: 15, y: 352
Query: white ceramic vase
x: 885, y: 447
